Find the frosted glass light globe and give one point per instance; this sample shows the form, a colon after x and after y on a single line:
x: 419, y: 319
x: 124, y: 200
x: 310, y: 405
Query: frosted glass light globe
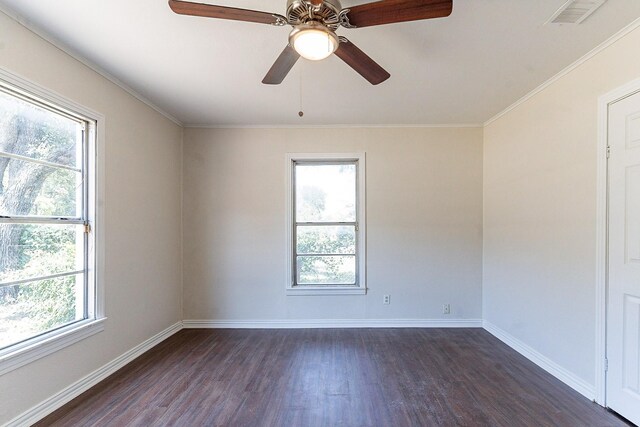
x: 314, y: 42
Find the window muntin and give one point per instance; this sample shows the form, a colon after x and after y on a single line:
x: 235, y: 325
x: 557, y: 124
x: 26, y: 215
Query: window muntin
x: 325, y: 227
x: 46, y: 278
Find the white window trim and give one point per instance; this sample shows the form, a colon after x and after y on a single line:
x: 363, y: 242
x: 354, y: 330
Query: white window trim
x: 35, y: 348
x: 361, y: 287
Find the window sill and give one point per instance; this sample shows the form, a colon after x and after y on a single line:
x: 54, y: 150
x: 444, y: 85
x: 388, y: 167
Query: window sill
x: 319, y: 290
x: 49, y: 343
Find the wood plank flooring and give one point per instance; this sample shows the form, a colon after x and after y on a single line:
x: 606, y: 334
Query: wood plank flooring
x: 331, y: 377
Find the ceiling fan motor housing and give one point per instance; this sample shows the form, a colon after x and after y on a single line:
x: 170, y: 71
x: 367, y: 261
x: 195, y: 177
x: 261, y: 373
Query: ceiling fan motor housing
x: 302, y: 11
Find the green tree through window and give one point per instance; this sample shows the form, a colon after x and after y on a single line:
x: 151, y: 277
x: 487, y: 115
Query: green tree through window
x: 325, y: 223
x: 40, y: 176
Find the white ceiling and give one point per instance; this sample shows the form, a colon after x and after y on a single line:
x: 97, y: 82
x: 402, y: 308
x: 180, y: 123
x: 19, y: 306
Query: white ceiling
x: 461, y: 69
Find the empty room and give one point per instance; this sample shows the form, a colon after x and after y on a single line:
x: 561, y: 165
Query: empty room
x: 320, y: 213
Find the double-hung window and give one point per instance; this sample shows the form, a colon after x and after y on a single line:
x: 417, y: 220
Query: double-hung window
x: 325, y: 227
x: 47, y: 274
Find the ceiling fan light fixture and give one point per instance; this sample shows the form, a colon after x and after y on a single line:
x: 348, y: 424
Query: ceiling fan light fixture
x: 313, y: 41
x: 314, y: 25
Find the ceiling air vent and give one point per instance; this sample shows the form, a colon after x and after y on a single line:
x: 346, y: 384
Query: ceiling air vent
x: 575, y: 11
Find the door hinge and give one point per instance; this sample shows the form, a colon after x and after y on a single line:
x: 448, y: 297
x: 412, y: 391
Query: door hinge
x: 608, y: 151
x: 87, y: 228
x: 606, y: 364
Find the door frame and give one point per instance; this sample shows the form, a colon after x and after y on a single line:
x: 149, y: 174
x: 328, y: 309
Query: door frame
x: 602, y: 238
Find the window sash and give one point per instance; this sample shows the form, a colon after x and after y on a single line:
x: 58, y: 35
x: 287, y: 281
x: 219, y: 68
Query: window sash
x: 296, y: 224
x: 84, y: 136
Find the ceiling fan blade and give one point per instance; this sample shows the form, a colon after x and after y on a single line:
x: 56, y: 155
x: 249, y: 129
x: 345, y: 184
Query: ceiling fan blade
x: 359, y: 61
x: 222, y: 12
x: 281, y: 67
x: 390, y: 11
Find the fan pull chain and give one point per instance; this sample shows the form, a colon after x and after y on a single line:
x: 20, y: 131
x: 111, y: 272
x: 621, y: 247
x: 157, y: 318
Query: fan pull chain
x: 300, y: 113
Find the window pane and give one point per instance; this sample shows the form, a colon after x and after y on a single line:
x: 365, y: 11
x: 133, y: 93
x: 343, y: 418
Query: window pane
x: 32, y: 189
x: 33, y: 308
x: 35, y: 132
x: 326, y: 240
x: 326, y: 270
x: 325, y: 193
x: 29, y: 251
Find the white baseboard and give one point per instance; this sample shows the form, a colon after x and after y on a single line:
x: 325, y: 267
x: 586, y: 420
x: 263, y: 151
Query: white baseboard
x: 569, y: 378
x: 74, y: 390
x: 330, y: 323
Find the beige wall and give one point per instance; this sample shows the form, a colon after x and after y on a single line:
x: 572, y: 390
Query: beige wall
x: 424, y: 223
x: 540, y: 211
x: 142, y: 214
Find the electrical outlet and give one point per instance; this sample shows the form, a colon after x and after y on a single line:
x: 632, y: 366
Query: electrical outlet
x: 386, y: 300
x: 446, y: 309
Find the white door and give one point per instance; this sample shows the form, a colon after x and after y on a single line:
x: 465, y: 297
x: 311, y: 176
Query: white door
x: 623, y: 316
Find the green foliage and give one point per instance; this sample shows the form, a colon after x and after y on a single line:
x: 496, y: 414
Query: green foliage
x: 49, y: 303
x: 58, y: 195
x: 326, y: 240
x: 325, y: 270
x: 48, y: 250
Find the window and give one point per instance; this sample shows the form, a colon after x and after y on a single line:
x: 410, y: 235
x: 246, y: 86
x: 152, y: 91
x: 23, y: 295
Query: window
x: 47, y: 257
x: 326, y: 236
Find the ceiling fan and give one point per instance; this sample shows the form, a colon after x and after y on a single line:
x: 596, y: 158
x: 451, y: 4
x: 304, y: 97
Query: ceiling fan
x: 315, y: 23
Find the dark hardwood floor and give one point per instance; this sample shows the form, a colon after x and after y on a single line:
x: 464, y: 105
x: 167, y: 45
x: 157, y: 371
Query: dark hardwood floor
x: 331, y: 377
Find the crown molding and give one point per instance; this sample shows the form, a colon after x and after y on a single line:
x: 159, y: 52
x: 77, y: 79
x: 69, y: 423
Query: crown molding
x: 335, y: 126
